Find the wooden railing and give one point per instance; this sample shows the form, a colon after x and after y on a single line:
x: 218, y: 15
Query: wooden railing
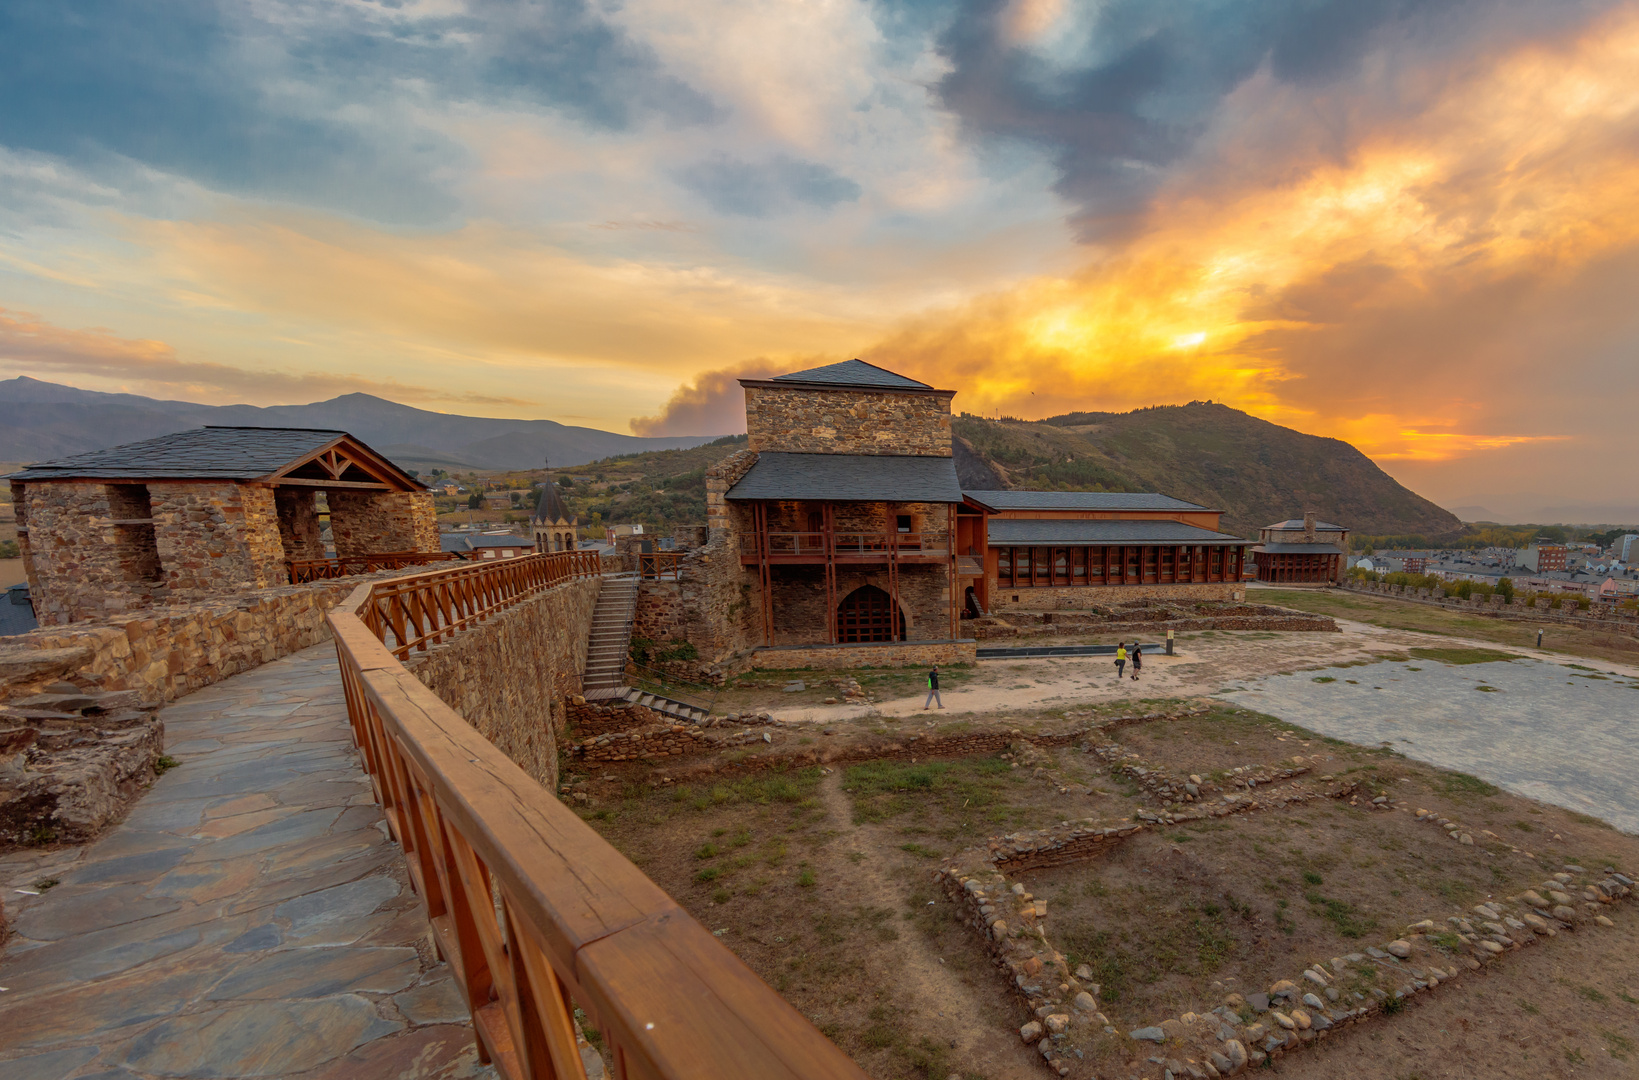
x: 845, y: 544
x: 537, y: 914
x: 660, y: 565
x: 304, y: 570
x: 416, y: 612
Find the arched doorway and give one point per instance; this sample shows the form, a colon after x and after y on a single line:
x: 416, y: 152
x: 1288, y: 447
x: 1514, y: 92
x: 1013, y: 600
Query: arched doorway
x: 869, y: 614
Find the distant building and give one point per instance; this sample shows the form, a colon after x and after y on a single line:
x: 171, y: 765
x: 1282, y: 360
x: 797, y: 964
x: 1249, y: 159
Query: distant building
x: 1543, y: 557
x: 553, y: 523
x: 1415, y: 564
x: 1302, y: 551
x: 488, y: 545
x: 1630, y: 548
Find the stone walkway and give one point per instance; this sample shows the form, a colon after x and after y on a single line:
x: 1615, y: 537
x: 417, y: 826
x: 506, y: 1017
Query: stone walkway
x: 1562, y: 735
x: 249, y: 919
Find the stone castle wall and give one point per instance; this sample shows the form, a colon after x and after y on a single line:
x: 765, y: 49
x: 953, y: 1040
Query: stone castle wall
x: 512, y: 675
x: 884, y: 654
x: 173, y: 649
x: 800, y: 604
x: 217, y: 537
x: 79, y: 564
x: 719, y: 479
x: 803, y: 420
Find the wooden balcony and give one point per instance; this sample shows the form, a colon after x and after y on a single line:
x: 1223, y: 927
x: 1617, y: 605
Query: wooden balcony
x: 789, y: 548
x: 536, y: 913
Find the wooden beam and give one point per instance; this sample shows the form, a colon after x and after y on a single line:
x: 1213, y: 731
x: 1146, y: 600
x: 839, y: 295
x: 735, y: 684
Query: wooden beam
x: 366, y: 485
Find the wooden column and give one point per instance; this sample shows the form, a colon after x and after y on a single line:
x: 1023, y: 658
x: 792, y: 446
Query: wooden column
x: 829, y: 540
x: 760, y: 512
x: 955, y: 578
x: 893, y: 574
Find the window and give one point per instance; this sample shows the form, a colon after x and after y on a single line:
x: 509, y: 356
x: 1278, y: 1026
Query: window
x: 1078, y: 566
x: 131, y: 512
x: 904, y: 523
x: 1167, y: 556
x: 1041, y: 573
x: 1061, y: 566
x: 1095, y: 565
x: 1149, y: 563
x: 489, y: 553
x: 1132, y: 566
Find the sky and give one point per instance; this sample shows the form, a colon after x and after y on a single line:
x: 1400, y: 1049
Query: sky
x: 1410, y: 224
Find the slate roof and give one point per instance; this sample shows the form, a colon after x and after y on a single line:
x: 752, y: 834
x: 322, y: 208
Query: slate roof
x: 463, y: 542
x: 850, y: 478
x: 1080, y: 500
x: 853, y: 373
x: 1074, y: 532
x: 1300, y: 549
x: 1297, y: 523
x: 552, y: 507
x: 209, y: 453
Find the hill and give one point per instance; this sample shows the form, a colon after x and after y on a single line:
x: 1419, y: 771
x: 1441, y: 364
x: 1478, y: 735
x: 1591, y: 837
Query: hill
x: 1254, y: 471
x: 41, y: 420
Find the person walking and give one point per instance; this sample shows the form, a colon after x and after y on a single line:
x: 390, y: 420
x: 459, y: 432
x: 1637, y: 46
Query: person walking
x: 1138, y: 659
x: 1120, y: 659
x: 933, y: 689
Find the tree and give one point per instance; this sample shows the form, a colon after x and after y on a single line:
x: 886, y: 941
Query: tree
x: 1505, y: 586
x: 475, y: 501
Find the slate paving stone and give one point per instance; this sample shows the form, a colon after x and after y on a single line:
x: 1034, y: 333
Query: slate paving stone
x: 61, y: 913
x: 274, y: 1038
x: 444, y: 1052
x: 245, y: 920
x: 53, y: 1066
x: 315, y: 973
x: 437, y: 1002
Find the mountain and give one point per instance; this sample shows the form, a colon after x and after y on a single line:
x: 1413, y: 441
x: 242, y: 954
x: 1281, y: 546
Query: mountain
x: 40, y: 421
x: 1254, y: 471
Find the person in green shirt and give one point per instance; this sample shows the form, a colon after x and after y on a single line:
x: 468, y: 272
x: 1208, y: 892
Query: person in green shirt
x: 933, y: 689
x: 1120, y: 659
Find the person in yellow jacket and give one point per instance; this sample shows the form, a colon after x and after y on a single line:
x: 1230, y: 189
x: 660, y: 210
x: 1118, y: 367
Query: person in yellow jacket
x: 1120, y: 659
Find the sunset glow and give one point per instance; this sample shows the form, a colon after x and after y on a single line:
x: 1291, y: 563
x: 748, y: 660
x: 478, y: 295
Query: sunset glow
x: 1419, y: 249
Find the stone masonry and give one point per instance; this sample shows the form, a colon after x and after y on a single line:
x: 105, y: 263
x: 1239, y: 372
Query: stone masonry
x: 216, y: 537
x: 808, y: 421
x: 374, y: 522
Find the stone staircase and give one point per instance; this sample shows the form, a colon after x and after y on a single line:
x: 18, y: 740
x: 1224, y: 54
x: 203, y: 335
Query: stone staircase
x: 665, y: 706
x: 605, y: 675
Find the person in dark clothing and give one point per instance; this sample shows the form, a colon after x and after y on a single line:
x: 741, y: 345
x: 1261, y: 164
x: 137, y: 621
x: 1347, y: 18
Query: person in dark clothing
x: 1138, y: 659
x: 933, y: 689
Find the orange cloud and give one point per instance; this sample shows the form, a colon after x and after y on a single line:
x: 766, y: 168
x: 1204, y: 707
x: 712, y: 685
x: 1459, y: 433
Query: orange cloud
x: 1466, y: 223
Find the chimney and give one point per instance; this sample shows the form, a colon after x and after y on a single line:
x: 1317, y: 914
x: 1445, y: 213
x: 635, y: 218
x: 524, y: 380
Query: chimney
x: 1309, y: 526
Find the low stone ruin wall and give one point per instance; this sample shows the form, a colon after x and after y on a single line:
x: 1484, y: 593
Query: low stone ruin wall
x: 1600, y: 616
x: 1147, y: 618
x: 886, y: 654
x: 71, y: 761
x: 511, y: 676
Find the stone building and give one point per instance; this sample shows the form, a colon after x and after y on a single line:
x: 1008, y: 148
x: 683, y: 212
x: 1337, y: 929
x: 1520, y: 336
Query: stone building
x: 554, y: 525
x: 209, y: 511
x: 1305, y: 552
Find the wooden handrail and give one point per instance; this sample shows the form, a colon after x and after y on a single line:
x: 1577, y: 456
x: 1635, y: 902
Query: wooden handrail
x: 658, y: 565
x: 537, y: 914
x: 846, y: 543
x: 415, y: 612
x: 303, y: 571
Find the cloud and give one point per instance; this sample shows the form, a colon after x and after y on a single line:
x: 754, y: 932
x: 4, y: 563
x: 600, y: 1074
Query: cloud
x: 1121, y: 92
x: 714, y: 402
x: 30, y: 345
x: 327, y: 105
x: 731, y: 186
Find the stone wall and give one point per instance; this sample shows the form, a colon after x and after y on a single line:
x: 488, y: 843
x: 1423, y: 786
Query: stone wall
x: 1056, y: 598
x: 79, y: 563
x: 1598, y: 617
x: 217, y: 537
x: 713, y: 605
x: 173, y: 649
x: 512, y: 675
x: 806, y: 421
x: 885, y: 654
x: 299, y: 530
x: 719, y: 479
x: 801, y: 618
x: 374, y: 522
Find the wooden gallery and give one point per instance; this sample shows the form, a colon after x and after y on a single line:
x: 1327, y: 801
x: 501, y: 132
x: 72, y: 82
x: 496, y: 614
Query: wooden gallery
x: 849, y: 527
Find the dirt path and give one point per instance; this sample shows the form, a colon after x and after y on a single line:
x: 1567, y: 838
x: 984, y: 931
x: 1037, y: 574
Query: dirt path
x: 949, y: 1007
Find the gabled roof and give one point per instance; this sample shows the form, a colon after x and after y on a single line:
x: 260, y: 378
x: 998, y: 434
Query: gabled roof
x: 1080, y: 532
x: 1080, y: 500
x: 850, y: 478
x: 231, y: 453
x: 1296, y: 524
x: 850, y: 373
x: 552, y: 507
